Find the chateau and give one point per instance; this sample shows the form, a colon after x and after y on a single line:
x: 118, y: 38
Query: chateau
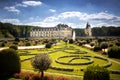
x: 60, y: 31
x: 88, y: 30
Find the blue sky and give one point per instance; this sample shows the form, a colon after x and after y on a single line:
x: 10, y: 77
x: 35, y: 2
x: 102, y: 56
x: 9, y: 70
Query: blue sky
x: 49, y: 13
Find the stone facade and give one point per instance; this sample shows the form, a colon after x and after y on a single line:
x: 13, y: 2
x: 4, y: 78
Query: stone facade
x: 88, y: 30
x: 60, y: 31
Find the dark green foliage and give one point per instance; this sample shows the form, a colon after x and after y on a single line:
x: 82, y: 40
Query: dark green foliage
x: 117, y: 43
x: 9, y: 30
x: 97, y: 48
x: 92, y: 44
x: 114, y: 52
x: 71, y: 41
x: 106, y: 31
x: 9, y: 62
x: 96, y: 73
x: 48, y: 45
x: 14, y: 47
x: 28, y: 44
x: 17, y: 39
x: 41, y: 62
x: 104, y: 45
x: 3, y: 44
x: 15, y: 42
x: 79, y: 32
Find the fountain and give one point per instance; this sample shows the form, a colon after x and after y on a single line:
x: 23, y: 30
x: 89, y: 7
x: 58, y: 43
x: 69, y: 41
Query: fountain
x: 73, y: 37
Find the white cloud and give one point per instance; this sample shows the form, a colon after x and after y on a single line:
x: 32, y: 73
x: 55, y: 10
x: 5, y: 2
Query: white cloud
x: 50, y: 19
x: 52, y: 10
x: 13, y: 21
x: 21, y: 5
x: 32, y: 3
x: 65, y: 15
x: 79, y: 19
x: 12, y: 9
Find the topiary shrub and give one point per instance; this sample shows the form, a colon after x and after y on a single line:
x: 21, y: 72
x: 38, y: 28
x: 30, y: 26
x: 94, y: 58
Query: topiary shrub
x: 104, y: 45
x: 9, y: 63
x: 96, y: 73
x: 71, y: 41
x: 17, y: 40
x: 114, y: 52
x: 14, y: 47
x: 96, y: 48
x: 48, y: 45
x: 117, y: 43
x: 3, y: 44
x: 92, y: 44
x: 28, y: 44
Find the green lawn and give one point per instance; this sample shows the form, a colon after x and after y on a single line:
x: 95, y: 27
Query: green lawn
x: 27, y: 64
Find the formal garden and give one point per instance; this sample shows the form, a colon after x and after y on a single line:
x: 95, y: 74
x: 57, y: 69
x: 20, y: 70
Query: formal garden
x: 67, y: 60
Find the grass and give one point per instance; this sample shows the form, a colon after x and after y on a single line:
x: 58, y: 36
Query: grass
x: 55, y: 55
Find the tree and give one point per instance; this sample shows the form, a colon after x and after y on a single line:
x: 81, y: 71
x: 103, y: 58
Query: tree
x: 41, y: 62
x: 104, y: 45
x: 9, y: 63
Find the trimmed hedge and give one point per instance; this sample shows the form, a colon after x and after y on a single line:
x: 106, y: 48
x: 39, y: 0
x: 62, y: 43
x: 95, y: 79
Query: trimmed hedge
x: 9, y: 63
x: 108, y: 62
x: 74, y: 57
x: 62, y: 69
x: 96, y: 73
x: 115, y: 71
x: 76, y: 52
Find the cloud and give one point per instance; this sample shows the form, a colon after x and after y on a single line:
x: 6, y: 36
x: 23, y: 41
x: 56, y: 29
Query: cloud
x: 12, y: 9
x: 31, y: 3
x: 52, y: 10
x: 77, y: 19
x: 21, y: 5
x: 13, y: 21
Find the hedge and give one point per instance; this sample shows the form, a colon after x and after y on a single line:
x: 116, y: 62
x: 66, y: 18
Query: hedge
x: 75, y: 56
x: 108, y: 61
x: 62, y: 69
x: 96, y: 73
x: 114, y: 52
x: 9, y: 62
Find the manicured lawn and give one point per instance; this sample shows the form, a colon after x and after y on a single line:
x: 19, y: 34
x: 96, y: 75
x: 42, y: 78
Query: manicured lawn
x: 60, y: 51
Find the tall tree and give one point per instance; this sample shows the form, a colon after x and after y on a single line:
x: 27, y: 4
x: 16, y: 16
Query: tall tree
x: 41, y: 62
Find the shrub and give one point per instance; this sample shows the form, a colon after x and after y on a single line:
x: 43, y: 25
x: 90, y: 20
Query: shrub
x: 117, y: 43
x: 17, y: 40
x: 96, y: 48
x: 28, y: 44
x: 104, y: 45
x: 14, y: 47
x: 3, y: 44
x: 71, y: 41
x: 48, y: 45
x: 9, y: 62
x: 92, y: 44
x: 114, y: 52
x: 96, y: 73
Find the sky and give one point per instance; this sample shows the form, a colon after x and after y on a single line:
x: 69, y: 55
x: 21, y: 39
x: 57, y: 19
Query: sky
x: 49, y: 13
